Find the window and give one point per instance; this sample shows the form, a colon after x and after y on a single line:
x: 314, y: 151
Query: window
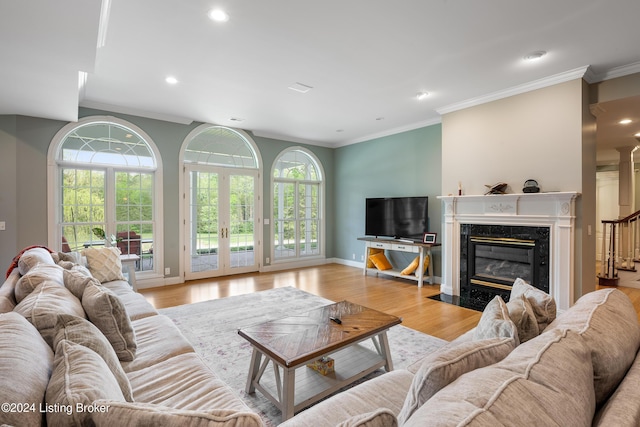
x: 103, y: 178
x: 297, y: 205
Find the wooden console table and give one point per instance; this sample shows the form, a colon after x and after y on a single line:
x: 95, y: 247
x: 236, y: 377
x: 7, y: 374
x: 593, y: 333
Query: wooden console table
x: 421, y: 249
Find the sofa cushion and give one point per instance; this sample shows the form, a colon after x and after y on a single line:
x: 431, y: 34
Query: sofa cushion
x: 136, y: 305
x: 495, y: 322
x: 386, y: 391
x: 105, y: 310
x: 445, y: 365
x: 158, y: 339
x: 104, y: 263
x: 543, y: 304
x: 42, y: 306
x: 7, y: 292
x: 36, y: 275
x: 622, y: 409
x: 546, y: 381
x: 147, y: 414
x: 25, y: 366
x: 30, y: 258
x: 184, y: 382
x: 521, y: 313
x: 379, y: 418
x: 608, y: 322
x: 80, y: 331
x: 80, y: 376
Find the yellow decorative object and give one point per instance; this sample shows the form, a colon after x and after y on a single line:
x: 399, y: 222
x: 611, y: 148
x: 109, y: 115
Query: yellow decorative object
x: 411, y: 267
x: 427, y: 259
x: 380, y: 261
x: 372, y: 251
x: 324, y: 365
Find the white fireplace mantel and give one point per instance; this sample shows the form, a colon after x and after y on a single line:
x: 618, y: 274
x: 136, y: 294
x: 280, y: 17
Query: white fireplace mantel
x: 553, y: 210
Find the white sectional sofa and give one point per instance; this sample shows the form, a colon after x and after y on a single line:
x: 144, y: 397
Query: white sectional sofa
x: 581, y: 369
x: 74, y: 351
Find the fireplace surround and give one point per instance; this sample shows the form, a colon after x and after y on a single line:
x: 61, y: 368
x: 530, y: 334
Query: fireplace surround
x: 554, y: 212
x: 492, y: 257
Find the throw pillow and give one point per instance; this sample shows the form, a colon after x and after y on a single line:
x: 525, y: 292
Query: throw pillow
x: 381, y: 417
x: 104, y: 263
x: 32, y: 257
x: 148, y: 414
x: 76, y: 281
x: 444, y: 366
x: 105, y: 310
x: 543, y: 304
x: 495, y: 322
x: 36, y: 275
x: 411, y: 267
x: 546, y: 382
x: 521, y: 313
x: 372, y: 251
x: 42, y: 306
x: 25, y: 366
x: 608, y: 322
x: 80, y: 377
x: 380, y: 261
x: 80, y: 331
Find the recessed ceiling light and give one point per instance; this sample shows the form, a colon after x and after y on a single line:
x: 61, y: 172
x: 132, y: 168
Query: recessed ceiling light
x: 236, y: 119
x: 625, y: 121
x: 339, y: 130
x: 379, y: 118
x: 218, y: 15
x: 535, y: 56
x: 422, y: 95
x: 171, y: 80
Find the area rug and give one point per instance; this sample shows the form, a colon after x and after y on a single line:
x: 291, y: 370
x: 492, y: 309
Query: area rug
x: 212, y: 328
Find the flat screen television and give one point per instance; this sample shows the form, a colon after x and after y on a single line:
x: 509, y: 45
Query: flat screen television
x: 397, y: 217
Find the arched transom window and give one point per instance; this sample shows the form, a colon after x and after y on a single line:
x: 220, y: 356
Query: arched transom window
x: 297, y: 205
x: 105, y: 174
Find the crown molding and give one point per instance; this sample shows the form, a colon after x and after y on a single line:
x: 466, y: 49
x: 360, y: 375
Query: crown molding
x: 616, y: 72
x: 390, y: 132
x: 576, y: 73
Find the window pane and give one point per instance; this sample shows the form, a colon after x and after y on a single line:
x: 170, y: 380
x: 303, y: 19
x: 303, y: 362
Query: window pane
x: 220, y: 146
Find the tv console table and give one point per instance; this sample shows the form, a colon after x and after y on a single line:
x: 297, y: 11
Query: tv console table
x: 419, y: 248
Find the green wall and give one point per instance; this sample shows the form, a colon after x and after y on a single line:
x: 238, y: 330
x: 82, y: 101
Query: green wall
x: 405, y: 164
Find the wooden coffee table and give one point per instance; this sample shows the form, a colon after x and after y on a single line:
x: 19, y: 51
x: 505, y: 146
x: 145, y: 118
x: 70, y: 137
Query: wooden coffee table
x: 292, y: 342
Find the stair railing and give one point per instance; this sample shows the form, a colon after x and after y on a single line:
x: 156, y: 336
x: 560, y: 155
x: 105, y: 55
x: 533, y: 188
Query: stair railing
x: 620, y: 247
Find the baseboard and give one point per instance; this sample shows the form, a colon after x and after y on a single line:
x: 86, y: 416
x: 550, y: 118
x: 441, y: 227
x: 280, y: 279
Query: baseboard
x: 279, y: 266
x: 158, y: 282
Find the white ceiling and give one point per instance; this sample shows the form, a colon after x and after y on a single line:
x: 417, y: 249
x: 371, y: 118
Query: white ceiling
x: 365, y: 59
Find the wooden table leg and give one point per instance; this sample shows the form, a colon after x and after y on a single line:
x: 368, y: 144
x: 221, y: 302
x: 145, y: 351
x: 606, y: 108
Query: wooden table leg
x: 254, y: 368
x: 288, y: 395
x: 386, y: 351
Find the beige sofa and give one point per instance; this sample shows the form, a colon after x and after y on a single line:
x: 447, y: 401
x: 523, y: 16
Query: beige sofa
x: 74, y: 351
x: 580, y: 369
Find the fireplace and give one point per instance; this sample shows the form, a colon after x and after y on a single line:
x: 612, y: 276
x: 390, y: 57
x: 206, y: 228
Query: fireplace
x: 552, y: 214
x: 493, y: 256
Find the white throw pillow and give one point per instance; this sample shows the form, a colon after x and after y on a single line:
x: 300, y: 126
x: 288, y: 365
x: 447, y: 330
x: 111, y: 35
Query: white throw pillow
x: 543, y: 304
x: 521, y: 313
x: 444, y: 366
x: 495, y: 322
x: 104, y: 263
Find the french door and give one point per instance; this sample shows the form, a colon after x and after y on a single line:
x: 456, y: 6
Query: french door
x: 220, y: 221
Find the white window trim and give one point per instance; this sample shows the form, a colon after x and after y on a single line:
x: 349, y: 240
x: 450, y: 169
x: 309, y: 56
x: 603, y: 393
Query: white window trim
x: 259, y: 209
x: 299, y: 260
x: 53, y: 193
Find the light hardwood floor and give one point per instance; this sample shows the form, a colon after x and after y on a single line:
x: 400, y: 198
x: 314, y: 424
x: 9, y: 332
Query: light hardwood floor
x: 338, y: 282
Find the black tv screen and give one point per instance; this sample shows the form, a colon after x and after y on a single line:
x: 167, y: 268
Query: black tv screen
x: 397, y: 217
